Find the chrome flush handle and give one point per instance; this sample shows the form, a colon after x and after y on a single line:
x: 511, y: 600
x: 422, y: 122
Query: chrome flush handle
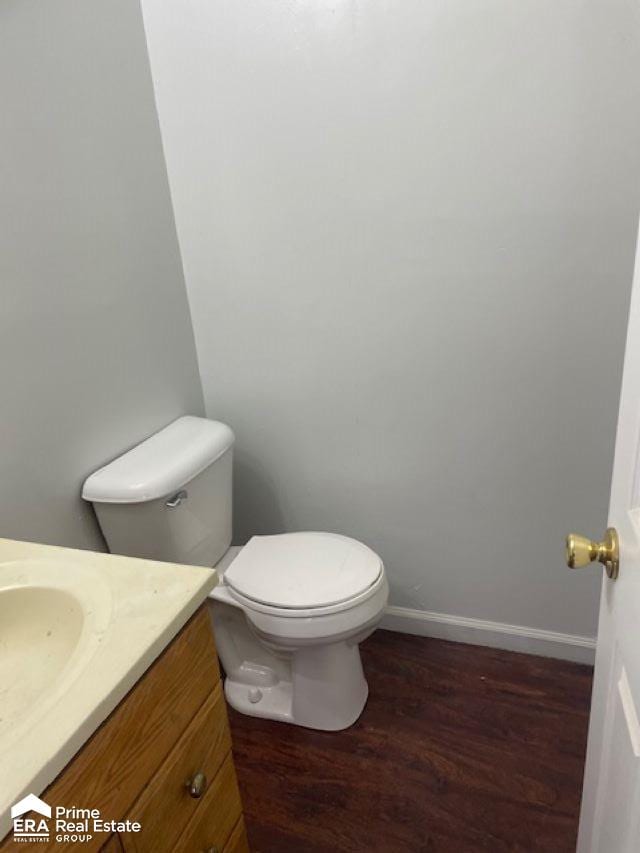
x: 177, y: 499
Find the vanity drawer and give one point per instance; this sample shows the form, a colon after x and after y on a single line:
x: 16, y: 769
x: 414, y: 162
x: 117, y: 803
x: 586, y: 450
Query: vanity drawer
x: 216, y: 817
x: 166, y: 806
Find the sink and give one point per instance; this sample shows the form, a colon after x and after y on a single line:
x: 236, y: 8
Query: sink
x: 42, y: 625
x: 52, y: 617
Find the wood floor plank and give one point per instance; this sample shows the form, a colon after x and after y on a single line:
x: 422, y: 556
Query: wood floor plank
x: 460, y: 749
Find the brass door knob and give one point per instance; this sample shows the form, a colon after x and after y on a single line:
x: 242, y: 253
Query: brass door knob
x: 197, y: 785
x: 582, y: 551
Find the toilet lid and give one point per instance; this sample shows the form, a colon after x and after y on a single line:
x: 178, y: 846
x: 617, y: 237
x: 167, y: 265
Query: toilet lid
x: 303, y: 570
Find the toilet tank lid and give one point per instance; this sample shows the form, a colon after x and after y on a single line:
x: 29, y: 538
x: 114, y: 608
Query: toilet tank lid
x: 161, y: 464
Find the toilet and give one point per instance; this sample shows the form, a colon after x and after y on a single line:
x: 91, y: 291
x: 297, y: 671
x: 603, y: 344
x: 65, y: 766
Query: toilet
x: 290, y: 609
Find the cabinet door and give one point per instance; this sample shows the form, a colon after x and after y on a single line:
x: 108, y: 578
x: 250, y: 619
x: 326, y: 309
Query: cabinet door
x: 214, y: 821
x: 167, y: 805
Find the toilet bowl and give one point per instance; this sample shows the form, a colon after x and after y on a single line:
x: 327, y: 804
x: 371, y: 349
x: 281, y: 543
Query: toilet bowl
x: 289, y: 647
x: 290, y: 609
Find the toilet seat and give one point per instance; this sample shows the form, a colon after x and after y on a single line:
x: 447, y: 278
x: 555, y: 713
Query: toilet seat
x: 254, y: 609
x: 303, y: 573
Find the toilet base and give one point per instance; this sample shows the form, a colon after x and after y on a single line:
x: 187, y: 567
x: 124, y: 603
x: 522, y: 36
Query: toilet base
x: 327, y: 690
x: 274, y: 702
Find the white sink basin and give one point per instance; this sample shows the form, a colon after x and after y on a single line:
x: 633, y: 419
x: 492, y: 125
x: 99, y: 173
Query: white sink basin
x: 51, y: 619
x: 48, y: 633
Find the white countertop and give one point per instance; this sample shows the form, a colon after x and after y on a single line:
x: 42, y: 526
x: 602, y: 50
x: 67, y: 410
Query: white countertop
x: 110, y: 615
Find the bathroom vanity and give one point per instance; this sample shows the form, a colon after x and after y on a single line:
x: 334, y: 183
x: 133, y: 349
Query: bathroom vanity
x: 161, y: 758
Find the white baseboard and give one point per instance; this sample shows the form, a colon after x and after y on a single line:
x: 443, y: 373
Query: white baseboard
x: 481, y: 632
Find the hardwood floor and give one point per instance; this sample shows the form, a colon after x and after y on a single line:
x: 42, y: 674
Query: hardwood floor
x: 460, y: 748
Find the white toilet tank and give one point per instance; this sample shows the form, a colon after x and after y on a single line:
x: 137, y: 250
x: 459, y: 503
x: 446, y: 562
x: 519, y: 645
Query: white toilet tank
x: 169, y: 498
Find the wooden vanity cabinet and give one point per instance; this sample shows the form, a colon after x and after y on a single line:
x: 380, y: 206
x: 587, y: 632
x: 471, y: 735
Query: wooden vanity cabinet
x: 163, y: 758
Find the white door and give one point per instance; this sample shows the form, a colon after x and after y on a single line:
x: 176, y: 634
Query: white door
x: 610, y: 817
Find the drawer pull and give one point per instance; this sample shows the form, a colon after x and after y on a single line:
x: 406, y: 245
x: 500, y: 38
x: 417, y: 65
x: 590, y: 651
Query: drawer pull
x: 197, y: 786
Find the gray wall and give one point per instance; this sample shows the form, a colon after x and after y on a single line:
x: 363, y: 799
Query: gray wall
x: 408, y: 234
x: 95, y: 338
